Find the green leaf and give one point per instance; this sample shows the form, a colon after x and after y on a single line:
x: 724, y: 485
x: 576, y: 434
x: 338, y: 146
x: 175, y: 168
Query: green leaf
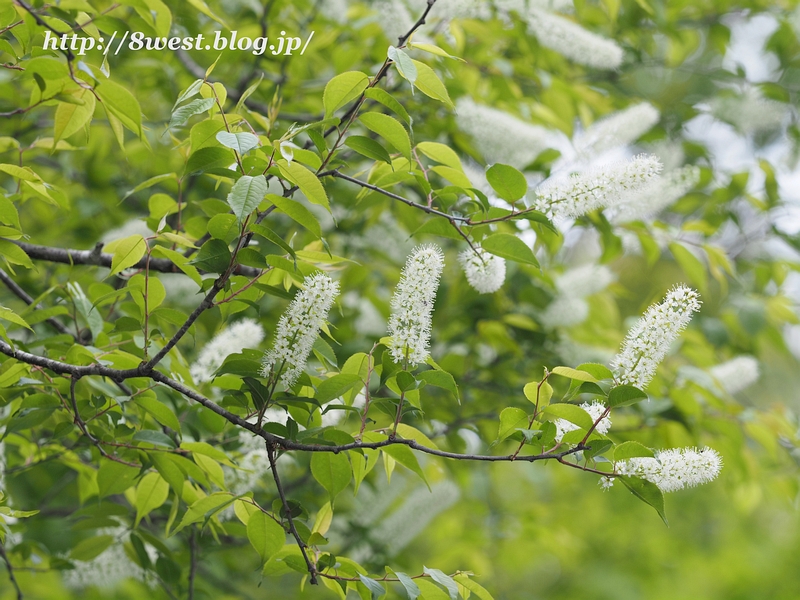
x: 430, y: 48
x: 569, y: 412
x: 114, y: 478
x: 273, y: 237
x: 239, y: 142
x: 184, y: 113
x: 376, y: 590
x: 307, y: 181
x: 91, y: 548
x: 412, y: 589
x: 70, y: 118
x: 332, y: 471
x: 189, y: 92
x: 506, y: 245
x: 511, y: 419
x: 574, y: 374
x: 403, y: 63
x: 507, y: 181
x: 406, y: 457
x: 266, y: 536
x: 209, y: 158
x: 9, y: 315
x: 534, y: 392
x: 169, y: 470
x: 126, y: 252
x: 480, y: 592
x: 121, y: 104
x: 14, y: 254
x: 625, y: 395
x: 205, y: 508
x: 647, y: 492
x: 342, y: 89
x: 596, y: 370
x: 180, y: 261
x: 389, y: 101
x: 246, y: 194
x: 224, y: 227
x: 214, y: 256
x: 161, y: 412
x: 441, y: 379
x: 297, y: 212
x: 428, y: 83
x: 389, y: 129
x: 691, y: 265
x: 151, y: 436
x: 368, y: 147
x: 444, y: 580
x: 336, y: 386
x: 151, y: 493
x: 631, y: 449
x: 441, y: 153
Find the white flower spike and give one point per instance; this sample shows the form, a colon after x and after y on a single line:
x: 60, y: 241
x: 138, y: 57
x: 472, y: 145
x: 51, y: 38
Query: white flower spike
x: 675, y: 469
x: 648, y: 342
x: 298, y: 328
x: 412, y: 305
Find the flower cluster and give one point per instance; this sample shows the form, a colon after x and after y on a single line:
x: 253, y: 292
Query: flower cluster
x: 660, y: 193
x: 485, y: 272
x: 737, y: 374
x: 595, y: 410
x: 246, y: 333
x: 675, y: 469
x: 618, y: 129
x: 573, y: 41
x: 393, y: 17
x: 750, y: 112
x: 412, y: 305
x: 598, y: 188
x: 501, y: 137
x: 650, y: 338
x: 298, y: 328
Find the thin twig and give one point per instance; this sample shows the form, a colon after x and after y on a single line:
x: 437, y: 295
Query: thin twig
x: 10, y: 572
x: 312, y: 570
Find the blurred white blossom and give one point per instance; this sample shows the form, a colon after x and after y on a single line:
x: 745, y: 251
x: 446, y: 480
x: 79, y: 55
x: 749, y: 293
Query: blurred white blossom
x: 298, y: 328
x: 600, y: 187
x: 736, y: 374
x: 675, y: 469
x: 485, y: 272
x: 573, y: 41
x: 617, y: 129
x: 412, y: 305
x: 246, y: 333
x: 569, y: 306
x: 110, y: 567
x: 501, y: 137
x: 660, y: 193
x: 649, y: 340
x: 750, y: 112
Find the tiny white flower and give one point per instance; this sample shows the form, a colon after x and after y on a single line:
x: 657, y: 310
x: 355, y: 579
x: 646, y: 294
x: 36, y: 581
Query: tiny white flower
x: 299, y: 327
x: 485, y: 272
x: 675, y: 469
x: 595, y: 410
x: 606, y: 483
x: 661, y: 192
x: 649, y: 340
x: 597, y: 188
x: 246, y: 333
x: 412, y: 305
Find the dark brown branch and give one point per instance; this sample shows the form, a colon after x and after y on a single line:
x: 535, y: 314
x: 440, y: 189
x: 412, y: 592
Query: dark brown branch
x: 100, y: 259
x: 387, y: 193
x: 312, y: 569
x: 27, y: 299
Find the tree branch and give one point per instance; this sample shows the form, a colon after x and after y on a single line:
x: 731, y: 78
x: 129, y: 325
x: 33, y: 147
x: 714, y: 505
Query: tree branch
x: 312, y: 570
x: 100, y: 259
x: 10, y: 571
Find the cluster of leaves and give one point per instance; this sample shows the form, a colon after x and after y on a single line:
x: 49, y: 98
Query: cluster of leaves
x: 251, y: 175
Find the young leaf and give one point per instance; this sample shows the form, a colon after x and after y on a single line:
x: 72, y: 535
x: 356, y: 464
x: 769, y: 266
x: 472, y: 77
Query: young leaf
x: 389, y: 129
x: 510, y: 420
x: 574, y: 374
x: 403, y: 63
x: 647, y: 492
x: 151, y: 493
x: 184, y: 113
x: 625, y: 395
x: 127, y: 252
x: 506, y: 245
x: 412, y: 589
x: 376, y: 590
x: 336, y: 386
x: 307, y: 181
x: 368, y: 147
x: 428, y: 83
x: 444, y: 580
x: 569, y: 412
x: 441, y: 379
x: 246, y: 194
x: 507, y: 181
x: 631, y: 449
x: 266, y: 536
x: 297, y: 212
x: 240, y: 142
x: 332, y: 471
x: 390, y: 102
x: 342, y: 89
